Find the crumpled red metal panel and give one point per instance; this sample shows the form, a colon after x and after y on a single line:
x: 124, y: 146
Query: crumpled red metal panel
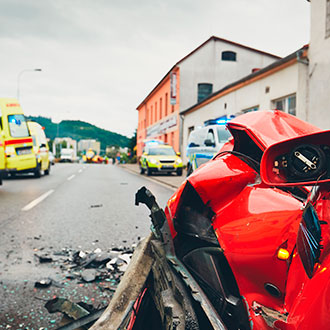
x: 272, y: 126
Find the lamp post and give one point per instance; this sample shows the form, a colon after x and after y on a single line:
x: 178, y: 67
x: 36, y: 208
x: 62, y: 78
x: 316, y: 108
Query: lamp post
x: 19, y: 77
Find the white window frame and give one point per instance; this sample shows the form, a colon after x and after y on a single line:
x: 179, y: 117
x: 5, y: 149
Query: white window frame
x: 327, y: 19
x: 286, y: 102
x: 251, y: 109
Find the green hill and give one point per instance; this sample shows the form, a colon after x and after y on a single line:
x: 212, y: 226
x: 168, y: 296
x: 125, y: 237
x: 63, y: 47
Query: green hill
x: 79, y: 130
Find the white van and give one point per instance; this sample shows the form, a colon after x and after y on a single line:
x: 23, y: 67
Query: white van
x: 204, y: 143
x: 67, y: 155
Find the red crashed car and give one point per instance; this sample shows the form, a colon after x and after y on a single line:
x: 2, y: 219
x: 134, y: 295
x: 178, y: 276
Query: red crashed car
x: 244, y: 243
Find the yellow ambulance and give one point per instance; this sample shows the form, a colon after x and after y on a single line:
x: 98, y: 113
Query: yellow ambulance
x: 16, y: 145
x: 40, y: 148
x: 2, y: 158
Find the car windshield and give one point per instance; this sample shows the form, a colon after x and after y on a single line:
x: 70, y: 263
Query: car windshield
x: 162, y: 151
x: 196, y: 138
x: 223, y: 134
x: 18, y: 126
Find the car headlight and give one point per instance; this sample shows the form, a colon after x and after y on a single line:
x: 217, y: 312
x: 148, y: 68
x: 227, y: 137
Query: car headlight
x: 10, y: 151
x: 153, y: 161
x: 178, y: 161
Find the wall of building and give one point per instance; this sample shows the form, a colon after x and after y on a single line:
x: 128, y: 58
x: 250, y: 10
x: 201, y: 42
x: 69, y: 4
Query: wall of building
x: 319, y: 65
x: 69, y: 142
x: 259, y: 94
x: 158, y: 118
x: 206, y: 66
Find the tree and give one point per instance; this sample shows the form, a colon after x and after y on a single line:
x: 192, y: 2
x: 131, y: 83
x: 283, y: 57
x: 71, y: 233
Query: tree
x: 132, y: 142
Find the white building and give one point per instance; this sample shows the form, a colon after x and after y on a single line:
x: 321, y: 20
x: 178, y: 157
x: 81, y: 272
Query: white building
x: 84, y: 145
x: 319, y: 65
x: 298, y: 84
x: 70, y: 143
x: 206, y: 69
x: 281, y: 85
x: 215, y: 63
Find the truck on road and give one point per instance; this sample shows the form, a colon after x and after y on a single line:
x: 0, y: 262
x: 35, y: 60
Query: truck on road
x: 67, y: 155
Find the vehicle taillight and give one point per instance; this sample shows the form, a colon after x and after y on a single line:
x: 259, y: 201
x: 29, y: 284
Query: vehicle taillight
x: 10, y: 151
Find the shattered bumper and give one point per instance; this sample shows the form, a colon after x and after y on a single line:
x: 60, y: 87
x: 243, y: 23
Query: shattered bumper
x: 174, y: 292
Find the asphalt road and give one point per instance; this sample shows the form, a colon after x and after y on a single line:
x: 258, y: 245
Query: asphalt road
x: 78, y: 207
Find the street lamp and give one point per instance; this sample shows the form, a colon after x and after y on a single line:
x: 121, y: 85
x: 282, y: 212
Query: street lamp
x: 19, y: 76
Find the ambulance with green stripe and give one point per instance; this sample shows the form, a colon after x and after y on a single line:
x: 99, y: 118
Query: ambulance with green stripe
x: 16, y: 145
x: 158, y: 157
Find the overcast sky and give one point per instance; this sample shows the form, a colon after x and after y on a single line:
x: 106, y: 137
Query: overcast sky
x: 100, y: 58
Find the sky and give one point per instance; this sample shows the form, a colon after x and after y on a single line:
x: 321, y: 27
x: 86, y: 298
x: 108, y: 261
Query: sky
x: 101, y: 58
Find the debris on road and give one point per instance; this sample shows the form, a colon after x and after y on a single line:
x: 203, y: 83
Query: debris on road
x: 43, y: 283
x: 96, y: 205
x: 76, y: 275
x: 80, y: 315
x: 70, y: 309
x: 89, y: 275
x: 44, y: 258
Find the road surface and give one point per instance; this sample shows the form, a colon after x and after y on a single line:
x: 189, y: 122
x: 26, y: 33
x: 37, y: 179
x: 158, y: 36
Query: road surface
x: 78, y: 207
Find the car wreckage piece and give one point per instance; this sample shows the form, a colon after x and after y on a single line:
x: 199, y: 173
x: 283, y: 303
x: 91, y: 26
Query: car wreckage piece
x: 244, y: 243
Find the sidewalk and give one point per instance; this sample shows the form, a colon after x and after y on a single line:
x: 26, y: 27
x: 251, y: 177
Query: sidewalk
x: 172, y: 180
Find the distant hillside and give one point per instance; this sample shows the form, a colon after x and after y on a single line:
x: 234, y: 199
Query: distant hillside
x: 79, y: 130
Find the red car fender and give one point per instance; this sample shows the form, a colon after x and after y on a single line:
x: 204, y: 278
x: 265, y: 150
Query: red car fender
x: 251, y: 230
x: 308, y: 299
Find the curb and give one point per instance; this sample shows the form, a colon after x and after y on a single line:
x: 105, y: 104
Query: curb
x: 153, y: 178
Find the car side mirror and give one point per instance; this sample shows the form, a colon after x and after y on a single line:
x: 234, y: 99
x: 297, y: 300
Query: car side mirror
x: 303, y: 160
x: 209, y: 143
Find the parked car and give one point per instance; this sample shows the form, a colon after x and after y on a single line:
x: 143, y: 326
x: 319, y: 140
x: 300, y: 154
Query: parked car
x: 157, y: 158
x: 204, y: 143
x: 244, y: 243
x: 40, y: 148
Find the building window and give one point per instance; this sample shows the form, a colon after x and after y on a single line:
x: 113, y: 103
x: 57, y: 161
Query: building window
x: 166, y: 104
x: 155, y: 111
x: 228, y: 56
x: 286, y: 104
x: 152, y: 110
x: 327, y: 20
x: 255, y: 108
x: 160, y: 108
x: 204, y: 90
x: 292, y: 105
x: 172, y: 108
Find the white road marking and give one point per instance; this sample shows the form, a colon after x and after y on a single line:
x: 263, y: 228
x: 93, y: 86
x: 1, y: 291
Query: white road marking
x: 71, y: 177
x: 80, y: 171
x: 37, y: 200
